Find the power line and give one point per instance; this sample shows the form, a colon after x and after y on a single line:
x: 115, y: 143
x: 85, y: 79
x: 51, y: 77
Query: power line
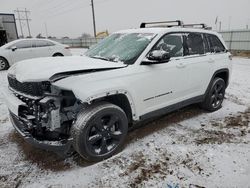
x: 66, y: 11
x: 59, y: 10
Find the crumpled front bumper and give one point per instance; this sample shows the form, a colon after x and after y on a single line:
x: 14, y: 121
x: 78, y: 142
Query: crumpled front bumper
x: 60, y: 147
x: 13, y: 103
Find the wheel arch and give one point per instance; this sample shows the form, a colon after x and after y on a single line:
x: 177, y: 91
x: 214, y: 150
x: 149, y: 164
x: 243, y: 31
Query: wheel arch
x: 224, y: 74
x: 5, y: 60
x: 221, y: 73
x: 120, y: 98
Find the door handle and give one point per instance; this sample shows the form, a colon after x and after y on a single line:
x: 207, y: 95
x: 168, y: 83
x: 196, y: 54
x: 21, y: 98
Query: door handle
x: 180, y: 65
x: 211, y: 61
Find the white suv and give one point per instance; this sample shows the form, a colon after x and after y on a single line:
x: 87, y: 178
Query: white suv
x: 88, y: 103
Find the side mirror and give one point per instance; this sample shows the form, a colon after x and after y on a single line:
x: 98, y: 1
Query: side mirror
x: 157, y: 56
x: 13, y: 48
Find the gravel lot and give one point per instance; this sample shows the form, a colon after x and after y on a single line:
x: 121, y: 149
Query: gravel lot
x: 187, y: 148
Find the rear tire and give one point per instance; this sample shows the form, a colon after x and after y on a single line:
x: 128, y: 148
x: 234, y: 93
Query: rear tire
x: 99, y: 131
x: 215, y: 96
x: 4, y: 65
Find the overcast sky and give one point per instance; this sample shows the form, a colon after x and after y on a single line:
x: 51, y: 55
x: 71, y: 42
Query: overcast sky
x: 74, y: 17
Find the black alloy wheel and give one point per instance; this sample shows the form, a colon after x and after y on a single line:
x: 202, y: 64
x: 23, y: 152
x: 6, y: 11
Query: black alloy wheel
x: 215, y: 96
x: 99, y: 131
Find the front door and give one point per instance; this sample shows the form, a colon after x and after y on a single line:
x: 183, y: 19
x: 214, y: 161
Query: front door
x: 161, y: 85
x: 22, y: 50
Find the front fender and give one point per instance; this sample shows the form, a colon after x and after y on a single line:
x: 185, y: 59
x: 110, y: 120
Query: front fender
x: 96, y: 90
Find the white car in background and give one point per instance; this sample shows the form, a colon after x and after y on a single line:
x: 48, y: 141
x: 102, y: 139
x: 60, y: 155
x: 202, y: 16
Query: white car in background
x: 22, y: 49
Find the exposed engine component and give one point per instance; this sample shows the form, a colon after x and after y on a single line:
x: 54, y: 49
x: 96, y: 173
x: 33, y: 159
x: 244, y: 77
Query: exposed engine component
x: 48, y: 117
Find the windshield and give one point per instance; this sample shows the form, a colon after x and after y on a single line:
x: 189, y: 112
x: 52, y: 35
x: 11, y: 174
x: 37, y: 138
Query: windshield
x: 124, y: 47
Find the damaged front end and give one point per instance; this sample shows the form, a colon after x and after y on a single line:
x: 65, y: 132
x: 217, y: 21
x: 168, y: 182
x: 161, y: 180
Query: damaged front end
x: 43, y: 114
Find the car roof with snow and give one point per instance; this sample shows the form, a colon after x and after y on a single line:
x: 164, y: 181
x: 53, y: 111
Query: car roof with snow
x: 25, y: 39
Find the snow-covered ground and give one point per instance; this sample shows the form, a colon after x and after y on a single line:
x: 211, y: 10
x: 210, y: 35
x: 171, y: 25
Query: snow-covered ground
x: 187, y: 148
x: 78, y: 51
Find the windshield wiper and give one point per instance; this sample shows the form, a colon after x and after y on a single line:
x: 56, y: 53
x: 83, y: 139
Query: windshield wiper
x: 104, y: 58
x: 100, y: 57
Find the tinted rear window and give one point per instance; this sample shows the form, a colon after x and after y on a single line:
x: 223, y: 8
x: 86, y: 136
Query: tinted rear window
x: 23, y: 44
x: 43, y: 43
x: 215, y: 44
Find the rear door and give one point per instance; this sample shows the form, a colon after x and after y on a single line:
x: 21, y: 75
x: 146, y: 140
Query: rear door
x: 218, y: 56
x: 198, y: 62
x: 44, y: 48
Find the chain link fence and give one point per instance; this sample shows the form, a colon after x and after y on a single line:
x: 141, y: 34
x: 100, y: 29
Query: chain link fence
x: 79, y: 43
x: 237, y: 40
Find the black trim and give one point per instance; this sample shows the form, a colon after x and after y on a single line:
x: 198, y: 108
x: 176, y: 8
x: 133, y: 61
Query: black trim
x: 214, y: 75
x: 179, y: 23
x: 157, y: 96
x: 172, y: 108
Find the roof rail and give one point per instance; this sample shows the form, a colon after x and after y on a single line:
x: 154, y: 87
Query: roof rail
x: 174, y: 24
x: 168, y: 24
x: 202, y: 25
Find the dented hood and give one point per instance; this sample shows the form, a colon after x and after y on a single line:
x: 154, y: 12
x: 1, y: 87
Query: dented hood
x: 42, y: 69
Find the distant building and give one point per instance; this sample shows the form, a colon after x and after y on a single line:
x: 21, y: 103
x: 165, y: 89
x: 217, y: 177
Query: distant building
x: 8, y: 29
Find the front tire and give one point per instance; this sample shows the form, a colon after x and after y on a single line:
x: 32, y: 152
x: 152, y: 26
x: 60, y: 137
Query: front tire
x: 215, y: 95
x: 99, y: 131
x: 4, y: 65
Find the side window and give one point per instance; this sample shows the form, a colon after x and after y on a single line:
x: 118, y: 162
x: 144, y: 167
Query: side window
x: 206, y: 44
x: 215, y: 44
x: 171, y: 43
x: 33, y: 42
x: 43, y: 43
x: 23, y: 44
x: 50, y: 43
x: 194, y: 44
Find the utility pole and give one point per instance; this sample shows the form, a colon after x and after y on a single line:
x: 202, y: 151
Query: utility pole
x: 229, y: 22
x: 27, y: 20
x: 46, y: 29
x: 23, y: 17
x: 19, y: 19
x: 93, y: 14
